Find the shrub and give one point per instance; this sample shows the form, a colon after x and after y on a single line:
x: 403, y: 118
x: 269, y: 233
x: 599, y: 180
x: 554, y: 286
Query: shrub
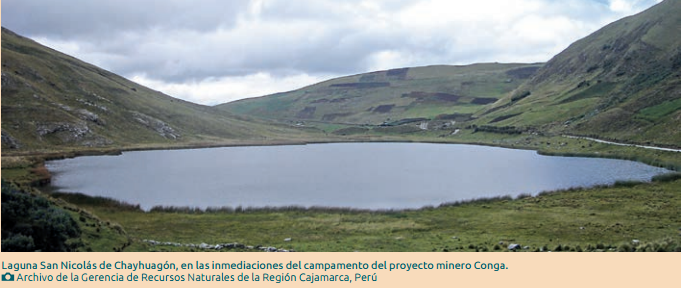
x: 32, y: 223
x: 627, y: 183
x: 18, y: 242
x: 520, y: 96
x: 668, y: 177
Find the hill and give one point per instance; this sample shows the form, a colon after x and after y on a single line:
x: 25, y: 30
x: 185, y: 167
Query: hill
x: 393, y: 95
x: 622, y: 82
x: 53, y: 101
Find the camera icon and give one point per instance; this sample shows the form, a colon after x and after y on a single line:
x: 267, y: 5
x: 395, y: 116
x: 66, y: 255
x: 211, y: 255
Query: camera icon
x: 7, y: 277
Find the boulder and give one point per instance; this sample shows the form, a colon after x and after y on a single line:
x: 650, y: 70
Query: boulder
x: 514, y: 247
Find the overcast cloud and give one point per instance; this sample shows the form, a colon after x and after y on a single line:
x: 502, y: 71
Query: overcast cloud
x: 216, y: 51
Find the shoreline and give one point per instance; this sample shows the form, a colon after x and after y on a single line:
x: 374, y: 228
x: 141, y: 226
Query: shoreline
x: 234, y: 209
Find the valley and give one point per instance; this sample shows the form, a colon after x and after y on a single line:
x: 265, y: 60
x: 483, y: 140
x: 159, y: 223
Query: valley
x: 612, y: 94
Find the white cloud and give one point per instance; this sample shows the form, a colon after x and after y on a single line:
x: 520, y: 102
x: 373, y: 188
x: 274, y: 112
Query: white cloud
x: 213, y: 91
x: 254, y: 48
x: 628, y: 7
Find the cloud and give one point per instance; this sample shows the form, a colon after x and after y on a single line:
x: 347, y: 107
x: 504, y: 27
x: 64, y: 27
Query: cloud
x: 180, y: 45
x: 213, y: 91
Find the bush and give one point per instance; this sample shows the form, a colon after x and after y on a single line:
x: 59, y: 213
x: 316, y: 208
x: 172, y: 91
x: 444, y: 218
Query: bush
x: 31, y: 223
x: 18, y: 242
x: 520, y: 96
x: 668, y: 177
x: 627, y: 183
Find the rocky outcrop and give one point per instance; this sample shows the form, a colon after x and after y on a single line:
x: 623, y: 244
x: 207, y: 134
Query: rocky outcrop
x: 71, y: 133
x: 157, y: 125
x: 514, y: 247
x: 9, y: 141
x: 92, y: 117
x: 68, y: 132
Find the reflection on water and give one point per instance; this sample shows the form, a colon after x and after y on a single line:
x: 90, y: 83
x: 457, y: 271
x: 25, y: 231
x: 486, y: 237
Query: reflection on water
x: 357, y: 175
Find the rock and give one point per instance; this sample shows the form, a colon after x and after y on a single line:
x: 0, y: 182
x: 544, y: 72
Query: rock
x: 271, y: 249
x: 64, y: 107
x: 73, y: 131
x: 157, y: 125
x: 92, y: 117
x: 10, y: 141
x: 635, y: 242
x: 287, y: 240
x: 204, y: 246
x: 514, y: 247
x: 526, y: 247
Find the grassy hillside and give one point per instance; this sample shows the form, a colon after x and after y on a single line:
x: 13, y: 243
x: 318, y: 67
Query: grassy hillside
x: 51, y: 101
x: 621, y: 82
x: 392, y: 95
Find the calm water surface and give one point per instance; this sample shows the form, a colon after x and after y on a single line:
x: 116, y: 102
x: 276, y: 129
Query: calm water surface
x: 357, y: 175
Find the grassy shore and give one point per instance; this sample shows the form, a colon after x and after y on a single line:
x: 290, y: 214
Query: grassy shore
x: 641, y: 216
x: 624, y: 217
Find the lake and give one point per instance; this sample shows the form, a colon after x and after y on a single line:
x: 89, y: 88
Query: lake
x: 356, y: 175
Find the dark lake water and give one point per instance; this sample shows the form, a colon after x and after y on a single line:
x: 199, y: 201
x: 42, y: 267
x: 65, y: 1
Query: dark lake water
x: 357, y: 175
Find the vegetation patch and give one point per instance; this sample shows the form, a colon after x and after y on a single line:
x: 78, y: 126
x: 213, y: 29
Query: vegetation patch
x: 658, y: 111
x: 401, y: 129
x: 31, y: 223
x: 398, y: 74
x: 333, y: 116
x: 520, y: 96
x: 642, y: 217
x: 522, y: 72
x: 351, y: 131
x: 483, y: 100
x: 433, y: 97
x: 361, y: 85
x: 404, y: 121
x: 598, y: 90
x: 497, y: 129
x: 384, y: 108
x: 454, y: 116
x: 669, y: 177
x: 504, y: 117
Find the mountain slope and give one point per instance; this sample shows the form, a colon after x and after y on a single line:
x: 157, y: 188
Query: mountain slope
x: 621, y: 82
x: 52, y: 100
x: 392, y: 95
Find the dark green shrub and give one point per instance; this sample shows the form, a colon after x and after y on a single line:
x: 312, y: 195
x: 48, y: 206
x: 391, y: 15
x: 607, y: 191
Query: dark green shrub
x: 31, y: 223
x: 668, y: 177
x: 627, y: 183
x: 18, y: 242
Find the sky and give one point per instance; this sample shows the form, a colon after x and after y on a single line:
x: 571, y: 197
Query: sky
x: 217, y: 51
